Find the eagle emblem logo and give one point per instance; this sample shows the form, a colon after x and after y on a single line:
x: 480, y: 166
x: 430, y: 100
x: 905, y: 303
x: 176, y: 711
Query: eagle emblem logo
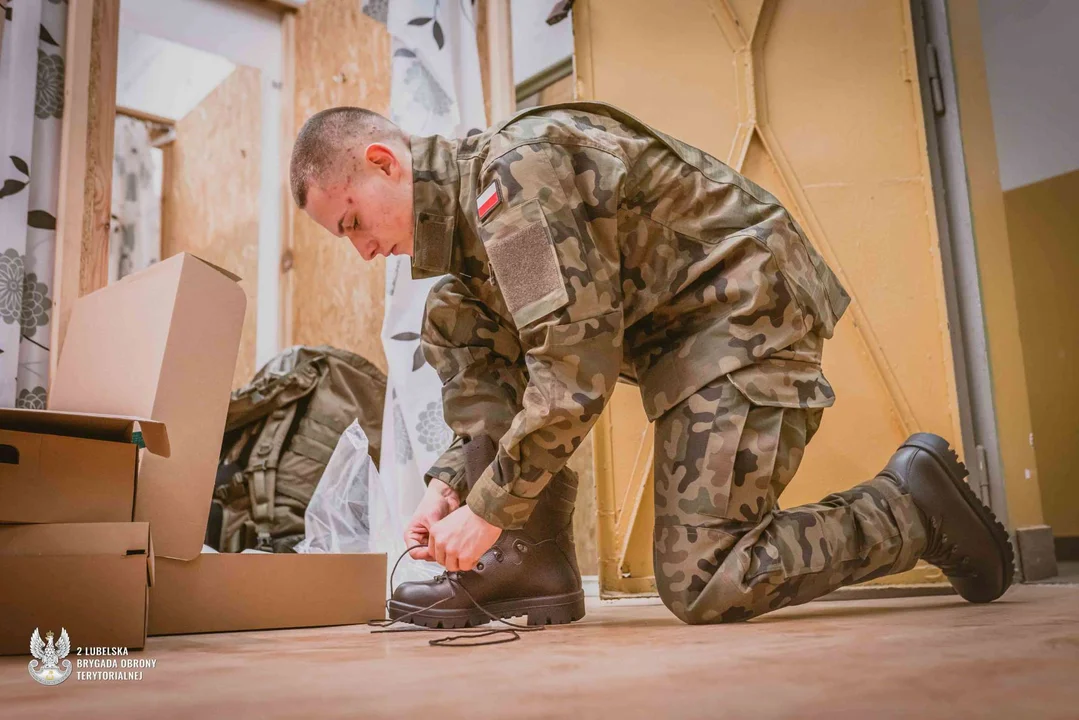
x: 46, y: 665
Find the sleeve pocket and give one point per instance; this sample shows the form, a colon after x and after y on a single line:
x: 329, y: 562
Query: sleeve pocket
x: 525, y: 264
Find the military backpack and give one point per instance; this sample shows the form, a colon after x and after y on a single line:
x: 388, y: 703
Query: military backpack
x: 281, y: 429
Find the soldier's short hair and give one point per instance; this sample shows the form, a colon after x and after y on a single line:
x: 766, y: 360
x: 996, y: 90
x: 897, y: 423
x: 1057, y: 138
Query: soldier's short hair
x: 321, y: 141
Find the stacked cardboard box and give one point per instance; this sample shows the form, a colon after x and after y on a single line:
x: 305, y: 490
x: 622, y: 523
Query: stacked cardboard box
x: 105, y: 496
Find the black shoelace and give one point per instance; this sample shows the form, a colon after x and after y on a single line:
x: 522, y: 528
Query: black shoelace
x: 465, y: 637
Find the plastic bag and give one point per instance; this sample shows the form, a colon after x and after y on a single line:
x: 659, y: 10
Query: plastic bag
x: 391, y: 507
x: 353, y: 510
x: 337, y: 519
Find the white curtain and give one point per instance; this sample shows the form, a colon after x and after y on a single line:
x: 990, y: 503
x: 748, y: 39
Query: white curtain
x: 31, y: 105
x: 435, y: 90
x: 135, y: 230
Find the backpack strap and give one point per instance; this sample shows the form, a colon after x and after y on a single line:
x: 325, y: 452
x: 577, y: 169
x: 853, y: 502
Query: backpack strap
x: 262, y: 469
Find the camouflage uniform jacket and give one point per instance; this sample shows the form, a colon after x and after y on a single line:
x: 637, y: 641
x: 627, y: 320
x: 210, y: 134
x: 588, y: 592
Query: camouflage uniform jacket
x: 583, y: 246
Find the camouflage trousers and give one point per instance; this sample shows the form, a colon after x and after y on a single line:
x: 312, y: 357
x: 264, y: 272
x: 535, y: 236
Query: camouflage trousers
x: 724, y: 551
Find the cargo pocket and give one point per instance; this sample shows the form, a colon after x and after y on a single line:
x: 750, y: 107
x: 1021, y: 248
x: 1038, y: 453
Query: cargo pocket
x: 784, y: 383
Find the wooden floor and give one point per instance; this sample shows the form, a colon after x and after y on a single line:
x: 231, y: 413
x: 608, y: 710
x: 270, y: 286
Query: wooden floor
x: 911, y: 658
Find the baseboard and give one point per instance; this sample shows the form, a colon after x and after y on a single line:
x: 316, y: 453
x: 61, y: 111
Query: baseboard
x: 1037, y: 559
x: 1067, y: 548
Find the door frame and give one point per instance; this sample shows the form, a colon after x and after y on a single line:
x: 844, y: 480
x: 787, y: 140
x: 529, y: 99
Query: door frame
x: 959, y: 252
x: 86, y: 148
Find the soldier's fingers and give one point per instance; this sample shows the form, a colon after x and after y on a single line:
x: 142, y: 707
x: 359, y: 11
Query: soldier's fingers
x: 421, y: 553
x: 433, y: 549
x: 450, y: 561
x: 415, y: 535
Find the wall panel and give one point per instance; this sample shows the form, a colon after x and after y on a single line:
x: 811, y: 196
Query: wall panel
x: 212, y: 191
x: 342, y: 58
x: 1043, y: 224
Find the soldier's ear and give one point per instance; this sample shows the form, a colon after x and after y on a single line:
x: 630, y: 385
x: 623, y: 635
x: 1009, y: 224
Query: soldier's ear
x: 383, y: 159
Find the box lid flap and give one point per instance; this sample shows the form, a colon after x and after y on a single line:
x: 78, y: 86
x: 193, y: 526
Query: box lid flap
x: 76, y: 539
x: 230, y: 275
x: 160, y: 344
x: 92, y: 426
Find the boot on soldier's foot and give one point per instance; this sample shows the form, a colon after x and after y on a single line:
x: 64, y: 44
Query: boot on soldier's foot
x: 532, y: 571
x: 965, y: 539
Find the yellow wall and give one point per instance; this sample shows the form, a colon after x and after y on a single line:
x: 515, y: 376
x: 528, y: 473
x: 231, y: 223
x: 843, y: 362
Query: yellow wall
x: 1043, y: 230
x: 994, y: 268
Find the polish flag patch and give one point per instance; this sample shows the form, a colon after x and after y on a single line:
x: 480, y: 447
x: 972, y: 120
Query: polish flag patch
x: 488, y: 200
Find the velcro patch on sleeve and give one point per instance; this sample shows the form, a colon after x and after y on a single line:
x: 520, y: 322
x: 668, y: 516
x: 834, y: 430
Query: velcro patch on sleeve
x: 526, y: 265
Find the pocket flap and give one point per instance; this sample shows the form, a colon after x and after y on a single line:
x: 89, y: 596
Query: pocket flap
x: 784, y: 383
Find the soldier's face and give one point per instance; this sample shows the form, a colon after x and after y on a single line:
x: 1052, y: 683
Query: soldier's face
x: 368, y: 200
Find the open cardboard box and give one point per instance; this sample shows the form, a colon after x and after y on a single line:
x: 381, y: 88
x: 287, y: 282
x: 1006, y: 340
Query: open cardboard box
x: 162, y: 344
x: 58, y: 467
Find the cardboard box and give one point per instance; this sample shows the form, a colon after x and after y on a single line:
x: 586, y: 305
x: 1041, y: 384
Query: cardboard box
x: 91, y: 579
x: 162, y: 344
x: 71, y: 467
x: 225, y: 592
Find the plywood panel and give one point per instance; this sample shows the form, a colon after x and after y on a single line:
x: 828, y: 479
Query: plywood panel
x: 559, y: 91
x: 211, y: 196
x: 819, y: 103
x: 342, y: 58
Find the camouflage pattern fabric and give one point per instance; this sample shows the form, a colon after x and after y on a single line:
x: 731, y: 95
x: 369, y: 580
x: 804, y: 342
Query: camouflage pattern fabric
x: 723, y: 550
x: 613, y: 251
x: 609, y: 251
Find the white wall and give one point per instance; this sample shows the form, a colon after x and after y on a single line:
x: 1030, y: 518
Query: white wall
x: 1032, y: 61
x: 537, y: 45
x: 245, y: 33
x: 165, y: 78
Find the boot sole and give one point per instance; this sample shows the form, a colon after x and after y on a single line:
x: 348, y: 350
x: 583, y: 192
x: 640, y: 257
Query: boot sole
x: 550, y: 610
x: 943, y: 453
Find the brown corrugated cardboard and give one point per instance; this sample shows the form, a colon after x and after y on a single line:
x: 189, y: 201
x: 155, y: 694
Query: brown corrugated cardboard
x: 227, y: 592
x: 91, y: 579
x: 69, y: 467
x: 160, y: 344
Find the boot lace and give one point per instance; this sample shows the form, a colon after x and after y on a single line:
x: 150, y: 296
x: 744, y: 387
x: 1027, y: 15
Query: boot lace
x: 944, y: 553
x: 466, y: 637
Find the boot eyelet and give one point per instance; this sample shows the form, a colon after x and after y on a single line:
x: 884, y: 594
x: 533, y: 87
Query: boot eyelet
x: 498, y: 554
x: 520, y: 547
x: 479, y: 567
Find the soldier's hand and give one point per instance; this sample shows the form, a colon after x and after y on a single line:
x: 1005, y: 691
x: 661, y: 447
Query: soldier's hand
x: 439, y: 501
x: 458, y: 541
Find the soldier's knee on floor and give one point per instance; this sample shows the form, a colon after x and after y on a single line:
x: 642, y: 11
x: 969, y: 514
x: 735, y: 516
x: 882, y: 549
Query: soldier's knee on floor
x: 676, y: 593
x: 681, y: 594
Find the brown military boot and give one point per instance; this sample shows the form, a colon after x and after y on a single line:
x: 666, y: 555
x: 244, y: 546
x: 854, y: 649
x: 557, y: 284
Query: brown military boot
x: 532, y: 571
x: 965, y: 539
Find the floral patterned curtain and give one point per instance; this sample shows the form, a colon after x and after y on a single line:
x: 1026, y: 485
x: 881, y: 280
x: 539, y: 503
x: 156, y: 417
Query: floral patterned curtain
x: 135, y: 228
x: 31, y: 107
x: 435, y: 89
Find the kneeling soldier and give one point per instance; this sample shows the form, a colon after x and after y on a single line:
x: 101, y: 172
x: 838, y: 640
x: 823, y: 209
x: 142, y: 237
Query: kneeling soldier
x: 579, y: 247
